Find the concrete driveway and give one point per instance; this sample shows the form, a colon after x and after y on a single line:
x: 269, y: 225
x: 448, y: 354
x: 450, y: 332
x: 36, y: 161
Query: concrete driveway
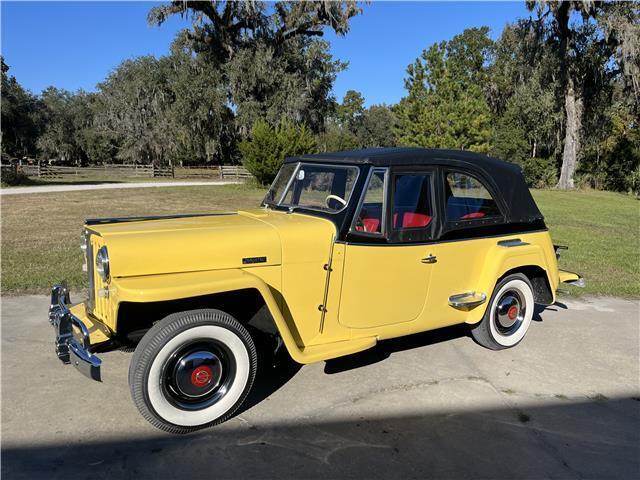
x: 564, y: 404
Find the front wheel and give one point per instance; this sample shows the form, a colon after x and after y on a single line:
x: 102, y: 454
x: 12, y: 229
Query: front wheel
x: 192, y: 370
x: 508, y: 314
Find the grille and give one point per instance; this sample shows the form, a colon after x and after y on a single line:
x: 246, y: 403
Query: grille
x: 90, y: 266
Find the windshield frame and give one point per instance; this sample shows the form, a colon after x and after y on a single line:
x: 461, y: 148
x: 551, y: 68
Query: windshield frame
x: 331, y: 166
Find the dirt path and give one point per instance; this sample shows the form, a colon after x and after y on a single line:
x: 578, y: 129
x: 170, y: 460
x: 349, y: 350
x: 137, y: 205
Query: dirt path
x: 107, y: 186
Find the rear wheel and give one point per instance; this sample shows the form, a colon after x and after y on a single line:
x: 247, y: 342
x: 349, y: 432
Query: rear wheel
x: 192, y: 370
x: 508, y: 314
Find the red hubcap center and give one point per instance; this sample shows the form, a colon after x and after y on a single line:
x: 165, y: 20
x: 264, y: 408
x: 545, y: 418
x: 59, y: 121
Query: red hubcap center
x: 201, y: 376
x: 512, y: 313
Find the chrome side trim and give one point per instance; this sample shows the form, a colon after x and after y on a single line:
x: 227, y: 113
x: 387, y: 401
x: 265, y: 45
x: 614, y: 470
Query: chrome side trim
x: 68, y: 348
x: 467, y: 300
x: 515, y: 242
x: 108, y: 220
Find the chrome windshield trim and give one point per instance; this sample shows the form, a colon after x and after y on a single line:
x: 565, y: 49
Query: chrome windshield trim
x: 330, y: 166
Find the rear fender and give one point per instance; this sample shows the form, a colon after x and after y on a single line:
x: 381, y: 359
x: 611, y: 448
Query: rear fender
x: 503, y: 259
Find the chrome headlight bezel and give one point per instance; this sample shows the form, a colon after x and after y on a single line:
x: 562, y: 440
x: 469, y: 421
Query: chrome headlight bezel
x: 84, y: 242
x: 102, y: 263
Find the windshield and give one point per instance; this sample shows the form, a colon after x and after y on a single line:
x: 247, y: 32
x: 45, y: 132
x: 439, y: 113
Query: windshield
x: 326, y: 188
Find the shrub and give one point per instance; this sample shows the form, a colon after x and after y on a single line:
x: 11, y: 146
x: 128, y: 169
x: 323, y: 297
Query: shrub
x: 12, y: 176
x: 540, y: 172
x: 267, y: 147
x: 632, y: 182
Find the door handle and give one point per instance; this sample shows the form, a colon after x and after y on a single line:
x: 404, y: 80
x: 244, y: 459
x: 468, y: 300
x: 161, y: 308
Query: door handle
x: 430, y: 259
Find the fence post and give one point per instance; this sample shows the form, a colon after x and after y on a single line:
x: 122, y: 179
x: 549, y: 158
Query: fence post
x: 39, y: 172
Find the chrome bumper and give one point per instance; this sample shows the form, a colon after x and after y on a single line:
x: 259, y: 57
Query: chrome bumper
x: 68, y: 348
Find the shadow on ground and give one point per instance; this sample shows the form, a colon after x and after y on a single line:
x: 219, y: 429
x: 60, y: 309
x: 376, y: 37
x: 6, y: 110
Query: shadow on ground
x: 565, y: 439
x: 386, y: 348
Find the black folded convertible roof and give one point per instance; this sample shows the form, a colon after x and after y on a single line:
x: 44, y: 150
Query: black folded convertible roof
x: 507, y: 178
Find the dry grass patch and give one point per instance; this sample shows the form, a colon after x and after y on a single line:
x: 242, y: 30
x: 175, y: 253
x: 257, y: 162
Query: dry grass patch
x: 41, y: 232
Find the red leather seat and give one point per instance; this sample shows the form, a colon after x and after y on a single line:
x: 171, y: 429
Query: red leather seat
x: 469, y: 216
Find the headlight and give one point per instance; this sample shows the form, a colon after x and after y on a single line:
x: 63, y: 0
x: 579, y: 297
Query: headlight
x: 102, y: 264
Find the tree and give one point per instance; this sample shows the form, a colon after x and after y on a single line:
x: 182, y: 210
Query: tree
x: 199, y: 124
x: 349, y: 113
x: 131, y: 107
x: 521, y: 92
x: 376, y: 127
x: 268, y: 146
x: 272, y: 63
x: 67, y: 116
x: 445, y: 106
x: 21, y: 117
x: 336, y: 138
x: 581, y: 33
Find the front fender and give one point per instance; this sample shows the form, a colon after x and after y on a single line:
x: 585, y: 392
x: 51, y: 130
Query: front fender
x: 156, y: 288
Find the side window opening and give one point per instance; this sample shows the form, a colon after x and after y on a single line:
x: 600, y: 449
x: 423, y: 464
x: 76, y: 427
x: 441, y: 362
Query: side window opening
x: 370, y: 217
x: 412, y: 206
x: 467, y: 198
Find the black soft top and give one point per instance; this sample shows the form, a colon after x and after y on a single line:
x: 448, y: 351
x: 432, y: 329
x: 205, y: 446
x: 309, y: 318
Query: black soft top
x: 506, y: 179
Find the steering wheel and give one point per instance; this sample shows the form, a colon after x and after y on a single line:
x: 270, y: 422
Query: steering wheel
x: 336, y: 198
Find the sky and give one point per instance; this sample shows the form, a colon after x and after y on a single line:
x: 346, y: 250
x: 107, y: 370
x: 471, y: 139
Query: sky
x: 75, y: 45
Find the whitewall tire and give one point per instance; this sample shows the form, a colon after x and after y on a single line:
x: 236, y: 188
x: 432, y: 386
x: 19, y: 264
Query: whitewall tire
x: 508, y: 314
x: 192, y: 370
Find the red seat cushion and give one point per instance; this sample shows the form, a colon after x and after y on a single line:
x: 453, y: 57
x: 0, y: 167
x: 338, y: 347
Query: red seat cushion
x: 412, y: 220
x: 469, y: 216
x: 415, y: 220
x: 369, y: 225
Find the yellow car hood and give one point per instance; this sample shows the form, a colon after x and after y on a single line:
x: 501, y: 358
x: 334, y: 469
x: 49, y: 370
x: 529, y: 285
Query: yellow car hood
x: 189, y: 244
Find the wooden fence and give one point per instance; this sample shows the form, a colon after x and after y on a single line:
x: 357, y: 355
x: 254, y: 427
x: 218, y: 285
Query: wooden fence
x: 44, y: 170
x: 234, y: 171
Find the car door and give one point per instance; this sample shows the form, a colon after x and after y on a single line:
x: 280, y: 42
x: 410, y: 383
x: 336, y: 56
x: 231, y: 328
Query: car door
x: 386, y: 270
x: 470, y: 217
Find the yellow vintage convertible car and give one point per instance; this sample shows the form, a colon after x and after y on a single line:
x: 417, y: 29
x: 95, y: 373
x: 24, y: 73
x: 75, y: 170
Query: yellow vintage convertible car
x: 347, y: 249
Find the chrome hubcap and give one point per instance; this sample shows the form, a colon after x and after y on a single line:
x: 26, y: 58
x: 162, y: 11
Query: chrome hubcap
x: 198, y: 375
x: 509, y: 312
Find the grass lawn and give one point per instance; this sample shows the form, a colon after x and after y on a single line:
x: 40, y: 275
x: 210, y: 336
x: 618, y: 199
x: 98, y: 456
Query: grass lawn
x: 602, y: 230
x: 41, y: 232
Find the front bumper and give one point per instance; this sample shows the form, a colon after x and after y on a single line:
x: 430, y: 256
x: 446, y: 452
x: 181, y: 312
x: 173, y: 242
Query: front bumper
x: 72, y: 347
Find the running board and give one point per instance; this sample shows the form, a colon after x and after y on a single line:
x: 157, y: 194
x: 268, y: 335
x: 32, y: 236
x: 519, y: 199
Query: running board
x: 325, y: 351
x: 467, y: 300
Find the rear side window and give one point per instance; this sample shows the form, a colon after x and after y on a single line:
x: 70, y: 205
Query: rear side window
x: 468, y: 198
x: 412, y: 208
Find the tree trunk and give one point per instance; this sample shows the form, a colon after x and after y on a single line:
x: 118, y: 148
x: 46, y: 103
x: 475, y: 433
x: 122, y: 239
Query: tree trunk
x: 573, y: 110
